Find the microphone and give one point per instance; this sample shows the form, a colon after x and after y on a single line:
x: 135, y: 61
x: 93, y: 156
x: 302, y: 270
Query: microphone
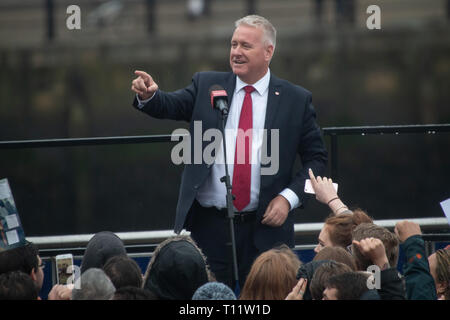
x: 219, y: 98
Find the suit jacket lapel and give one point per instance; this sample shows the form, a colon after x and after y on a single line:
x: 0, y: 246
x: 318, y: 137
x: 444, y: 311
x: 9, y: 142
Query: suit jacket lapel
x: 273, y: 98
x: 229, y: 86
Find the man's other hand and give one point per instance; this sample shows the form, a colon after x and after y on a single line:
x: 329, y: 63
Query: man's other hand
x: 276, y: 212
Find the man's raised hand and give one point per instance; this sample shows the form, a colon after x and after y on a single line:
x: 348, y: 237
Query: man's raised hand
x: 405, y: 229
x: 144, y: 85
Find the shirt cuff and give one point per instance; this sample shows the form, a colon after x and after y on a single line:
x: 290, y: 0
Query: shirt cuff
x: 291, y: 197
x: 141, y: 103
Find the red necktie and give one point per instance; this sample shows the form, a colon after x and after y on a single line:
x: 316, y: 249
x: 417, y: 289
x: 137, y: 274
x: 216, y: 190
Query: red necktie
x: 242, y: 172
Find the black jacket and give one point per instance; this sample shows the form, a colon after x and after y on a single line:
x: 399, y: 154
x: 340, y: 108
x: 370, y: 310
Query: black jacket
x: 177, y: 269
x: 391, y: 286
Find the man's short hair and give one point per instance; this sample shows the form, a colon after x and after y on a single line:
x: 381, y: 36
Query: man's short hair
x: 370, y: 230
x: 349, y: 285
x: 337, y: 254
x: 123, y: 272
x: 270, y: 32
x: 17, y: 285
x: 322, y: 274
x: 24, y: 258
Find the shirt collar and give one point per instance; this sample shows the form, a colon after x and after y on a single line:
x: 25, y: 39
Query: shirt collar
x: 261, y: 85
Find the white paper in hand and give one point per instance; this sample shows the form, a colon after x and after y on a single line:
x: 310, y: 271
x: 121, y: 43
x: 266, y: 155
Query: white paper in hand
x: 446, y: 208
x: 309, y: 188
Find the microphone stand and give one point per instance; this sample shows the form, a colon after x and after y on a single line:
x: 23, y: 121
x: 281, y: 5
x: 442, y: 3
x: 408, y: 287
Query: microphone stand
x: 229, y: 198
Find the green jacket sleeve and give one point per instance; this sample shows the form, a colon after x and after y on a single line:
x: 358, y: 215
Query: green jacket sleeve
x: 419, y: 282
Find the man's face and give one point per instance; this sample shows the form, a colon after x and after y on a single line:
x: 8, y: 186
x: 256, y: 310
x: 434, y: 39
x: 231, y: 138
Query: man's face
x: 249, y: 55
x: 38, y: 274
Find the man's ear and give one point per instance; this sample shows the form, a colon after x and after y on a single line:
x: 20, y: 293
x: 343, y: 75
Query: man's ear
x: 33, y: 274
x: 269, y: 52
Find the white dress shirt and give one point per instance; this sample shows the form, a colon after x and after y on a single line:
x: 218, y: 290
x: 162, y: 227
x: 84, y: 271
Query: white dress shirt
x: 213, y: 192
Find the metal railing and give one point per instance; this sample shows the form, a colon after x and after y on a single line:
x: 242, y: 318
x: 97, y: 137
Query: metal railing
x: 149, y: 239
x: 154, y: 237
x: 335, y: 132
x: 77, y: 142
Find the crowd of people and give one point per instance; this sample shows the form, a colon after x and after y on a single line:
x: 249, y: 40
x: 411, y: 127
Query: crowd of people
x: 355, y: 260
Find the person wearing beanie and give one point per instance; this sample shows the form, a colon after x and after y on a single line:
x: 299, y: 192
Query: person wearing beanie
x: 214, y: 291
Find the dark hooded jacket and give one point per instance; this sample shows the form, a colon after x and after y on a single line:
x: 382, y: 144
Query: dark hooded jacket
x: 177, y: 269
x: 102, y: 246
x: 307, y: 271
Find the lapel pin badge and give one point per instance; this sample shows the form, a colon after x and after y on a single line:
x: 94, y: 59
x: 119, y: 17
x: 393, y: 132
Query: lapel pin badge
x: 277, y: 93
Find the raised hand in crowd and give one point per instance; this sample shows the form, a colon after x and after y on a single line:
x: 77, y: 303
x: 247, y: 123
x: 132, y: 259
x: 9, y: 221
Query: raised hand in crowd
x: 405, y: 229
x: 373, y: 249
x: 298, y: 291
x: 419, y: 280
x: 326, y: 193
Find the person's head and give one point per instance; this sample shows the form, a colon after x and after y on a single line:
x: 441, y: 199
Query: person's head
x: 337, y: 229
x: 370, y: 230
x: 94, y: 285
x: 440, y: 270
x: 133, y: 293
x: 176, y: 269
x: 26, y: 259
x: 283, y: 248
x: 214, y: 291
x: 17, y: 285
x: 337, y: 254
x: 123, y: 272
x: 271, y: 277
x: 102, y: 246
x: 322, y: 274
x: 306, y: 271
x: 252, y: 47
x: 346, y: 286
